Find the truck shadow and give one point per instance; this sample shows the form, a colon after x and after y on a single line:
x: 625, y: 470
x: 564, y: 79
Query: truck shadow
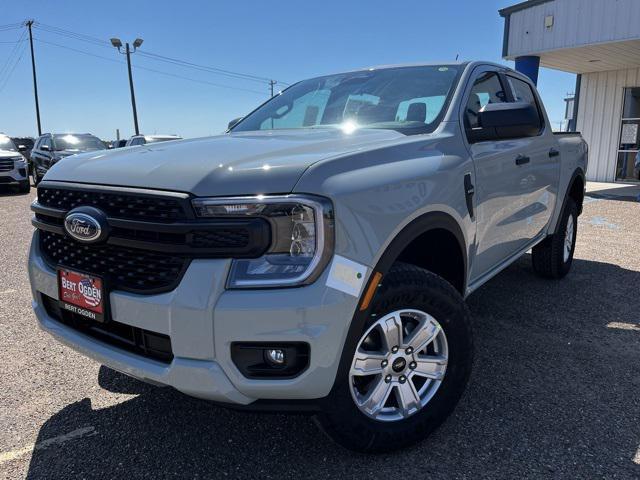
x: 555, y: 385
x: 10, y: 191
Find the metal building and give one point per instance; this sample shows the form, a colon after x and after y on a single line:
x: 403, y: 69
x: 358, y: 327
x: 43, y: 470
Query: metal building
x: 600, y: 41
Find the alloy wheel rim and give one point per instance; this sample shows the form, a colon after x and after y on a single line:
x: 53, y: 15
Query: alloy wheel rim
x: 399, y: 365
x: 568, y: 239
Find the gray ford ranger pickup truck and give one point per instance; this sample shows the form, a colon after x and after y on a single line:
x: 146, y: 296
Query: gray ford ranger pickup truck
x: 316, y: 256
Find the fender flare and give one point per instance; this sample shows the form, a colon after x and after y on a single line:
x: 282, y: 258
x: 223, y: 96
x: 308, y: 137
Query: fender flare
x: 577, y: 173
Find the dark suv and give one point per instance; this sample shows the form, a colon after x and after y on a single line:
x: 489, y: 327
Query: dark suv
x: 51, y: 147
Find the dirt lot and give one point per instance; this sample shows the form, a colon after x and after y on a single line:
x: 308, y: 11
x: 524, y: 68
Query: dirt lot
x: 555, y: 391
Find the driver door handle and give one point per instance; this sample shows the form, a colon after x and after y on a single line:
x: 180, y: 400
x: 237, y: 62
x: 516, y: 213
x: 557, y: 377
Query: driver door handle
x: 522, y: 159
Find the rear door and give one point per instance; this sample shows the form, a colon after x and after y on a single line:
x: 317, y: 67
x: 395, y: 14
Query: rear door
x: 542, y: 172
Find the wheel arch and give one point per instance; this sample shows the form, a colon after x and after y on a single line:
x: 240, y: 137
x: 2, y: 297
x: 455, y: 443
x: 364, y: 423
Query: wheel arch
x: 439, y: 224
x: 438, y: 232
x: 576, y: 189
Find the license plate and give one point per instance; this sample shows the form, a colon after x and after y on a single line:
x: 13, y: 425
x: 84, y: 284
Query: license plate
x: 81, y: 293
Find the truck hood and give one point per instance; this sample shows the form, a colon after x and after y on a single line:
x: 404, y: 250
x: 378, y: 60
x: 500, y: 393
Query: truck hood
x: 247, y: 163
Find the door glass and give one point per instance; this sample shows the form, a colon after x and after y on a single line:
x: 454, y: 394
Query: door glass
x: 522, y: 92
x: 486, y: 89
x: 628, y: 168
x: 628, y: 161
x: 631, y: 103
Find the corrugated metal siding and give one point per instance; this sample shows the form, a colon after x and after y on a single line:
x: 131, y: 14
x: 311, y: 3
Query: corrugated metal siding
x: 576, y: 22
x: 599, y: 115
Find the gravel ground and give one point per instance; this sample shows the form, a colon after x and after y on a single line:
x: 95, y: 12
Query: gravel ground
x: 554, y: 393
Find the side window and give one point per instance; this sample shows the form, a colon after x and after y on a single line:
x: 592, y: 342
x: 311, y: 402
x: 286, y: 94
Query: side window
x: 522, y: 92
x: 37, y: 144
x: 47, y: 141
x: 486, y: 89
x: 137, y: 141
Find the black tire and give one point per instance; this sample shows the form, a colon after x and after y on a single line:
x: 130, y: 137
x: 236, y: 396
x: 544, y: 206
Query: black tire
x: 548, y: 257
x: 36, y: 177
x: 24, y: 187
x: 406, y: 286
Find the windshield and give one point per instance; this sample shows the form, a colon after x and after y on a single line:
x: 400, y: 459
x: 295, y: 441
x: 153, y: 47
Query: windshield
x: 7, y: 144
x: 406, y: 99
x: 77, y: 142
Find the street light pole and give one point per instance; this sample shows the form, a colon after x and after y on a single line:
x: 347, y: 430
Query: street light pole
x: 128, y: 51
x: 35, y: 82
x: 133, y: 95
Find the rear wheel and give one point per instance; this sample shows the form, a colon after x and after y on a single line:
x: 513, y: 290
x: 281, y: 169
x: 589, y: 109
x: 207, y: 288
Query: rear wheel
x: 552, y: 258
x: 409, y: 368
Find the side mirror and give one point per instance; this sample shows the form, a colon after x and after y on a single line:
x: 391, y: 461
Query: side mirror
x: 501, y: 121
x: 234, y: 122
x: 45, y: 148
x: 22, y: 148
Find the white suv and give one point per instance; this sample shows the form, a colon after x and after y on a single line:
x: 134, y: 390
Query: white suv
x: 13, y: 166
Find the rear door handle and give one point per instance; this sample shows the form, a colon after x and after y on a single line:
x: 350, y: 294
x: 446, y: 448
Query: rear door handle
x: 554, y: 153
x: 522, y: 159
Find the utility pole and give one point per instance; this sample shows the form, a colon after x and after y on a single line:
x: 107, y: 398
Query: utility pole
x: 29, y: 24
x: 118, y: 44
x: 272, y: 84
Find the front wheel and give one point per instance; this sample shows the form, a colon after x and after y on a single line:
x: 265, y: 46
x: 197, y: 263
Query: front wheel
x: 36, y: 178
x: 552, y: 258
x: 409, y: 368
x: 24, y: 186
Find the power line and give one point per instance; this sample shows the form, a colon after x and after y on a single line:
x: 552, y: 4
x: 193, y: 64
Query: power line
x: 12, y: 56
x: 154, y: 56
x: 149, y: 69
x: 69, y: 34
x: 11, y: 26
x: 10, y: 72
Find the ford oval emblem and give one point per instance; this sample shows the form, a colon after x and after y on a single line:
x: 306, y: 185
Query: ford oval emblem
x: 83, y: 226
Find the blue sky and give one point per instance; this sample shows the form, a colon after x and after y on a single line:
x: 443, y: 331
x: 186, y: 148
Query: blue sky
x: 284, y: 40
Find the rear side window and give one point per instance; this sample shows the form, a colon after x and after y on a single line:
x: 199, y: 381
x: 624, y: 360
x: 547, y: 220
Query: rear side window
x: 522, y: 92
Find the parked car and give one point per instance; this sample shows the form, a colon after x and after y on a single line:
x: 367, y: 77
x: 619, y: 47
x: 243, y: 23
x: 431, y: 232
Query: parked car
x: 144, y: 139
x: 25, y: 145
x: 315, y: 257
x: 13, y: 166
x: 119, y: 143
x: 51, y: 147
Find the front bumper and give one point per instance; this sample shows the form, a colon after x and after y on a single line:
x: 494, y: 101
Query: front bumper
x: 14, y: 176
x: 203, y: 319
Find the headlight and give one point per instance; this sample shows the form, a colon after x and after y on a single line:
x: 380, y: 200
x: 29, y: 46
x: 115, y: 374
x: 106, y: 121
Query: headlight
x: 302, y: 236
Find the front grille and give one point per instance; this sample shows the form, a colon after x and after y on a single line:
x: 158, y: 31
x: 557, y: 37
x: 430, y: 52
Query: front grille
x: 6, y: 164
x: 221, y: 238
x: 132, y: 339
x: 151, y: 239
x: 146, y: 207
x: 122, y: 268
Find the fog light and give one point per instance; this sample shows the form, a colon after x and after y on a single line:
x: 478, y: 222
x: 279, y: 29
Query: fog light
x: 270, y: 360
x: 275, y: 356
